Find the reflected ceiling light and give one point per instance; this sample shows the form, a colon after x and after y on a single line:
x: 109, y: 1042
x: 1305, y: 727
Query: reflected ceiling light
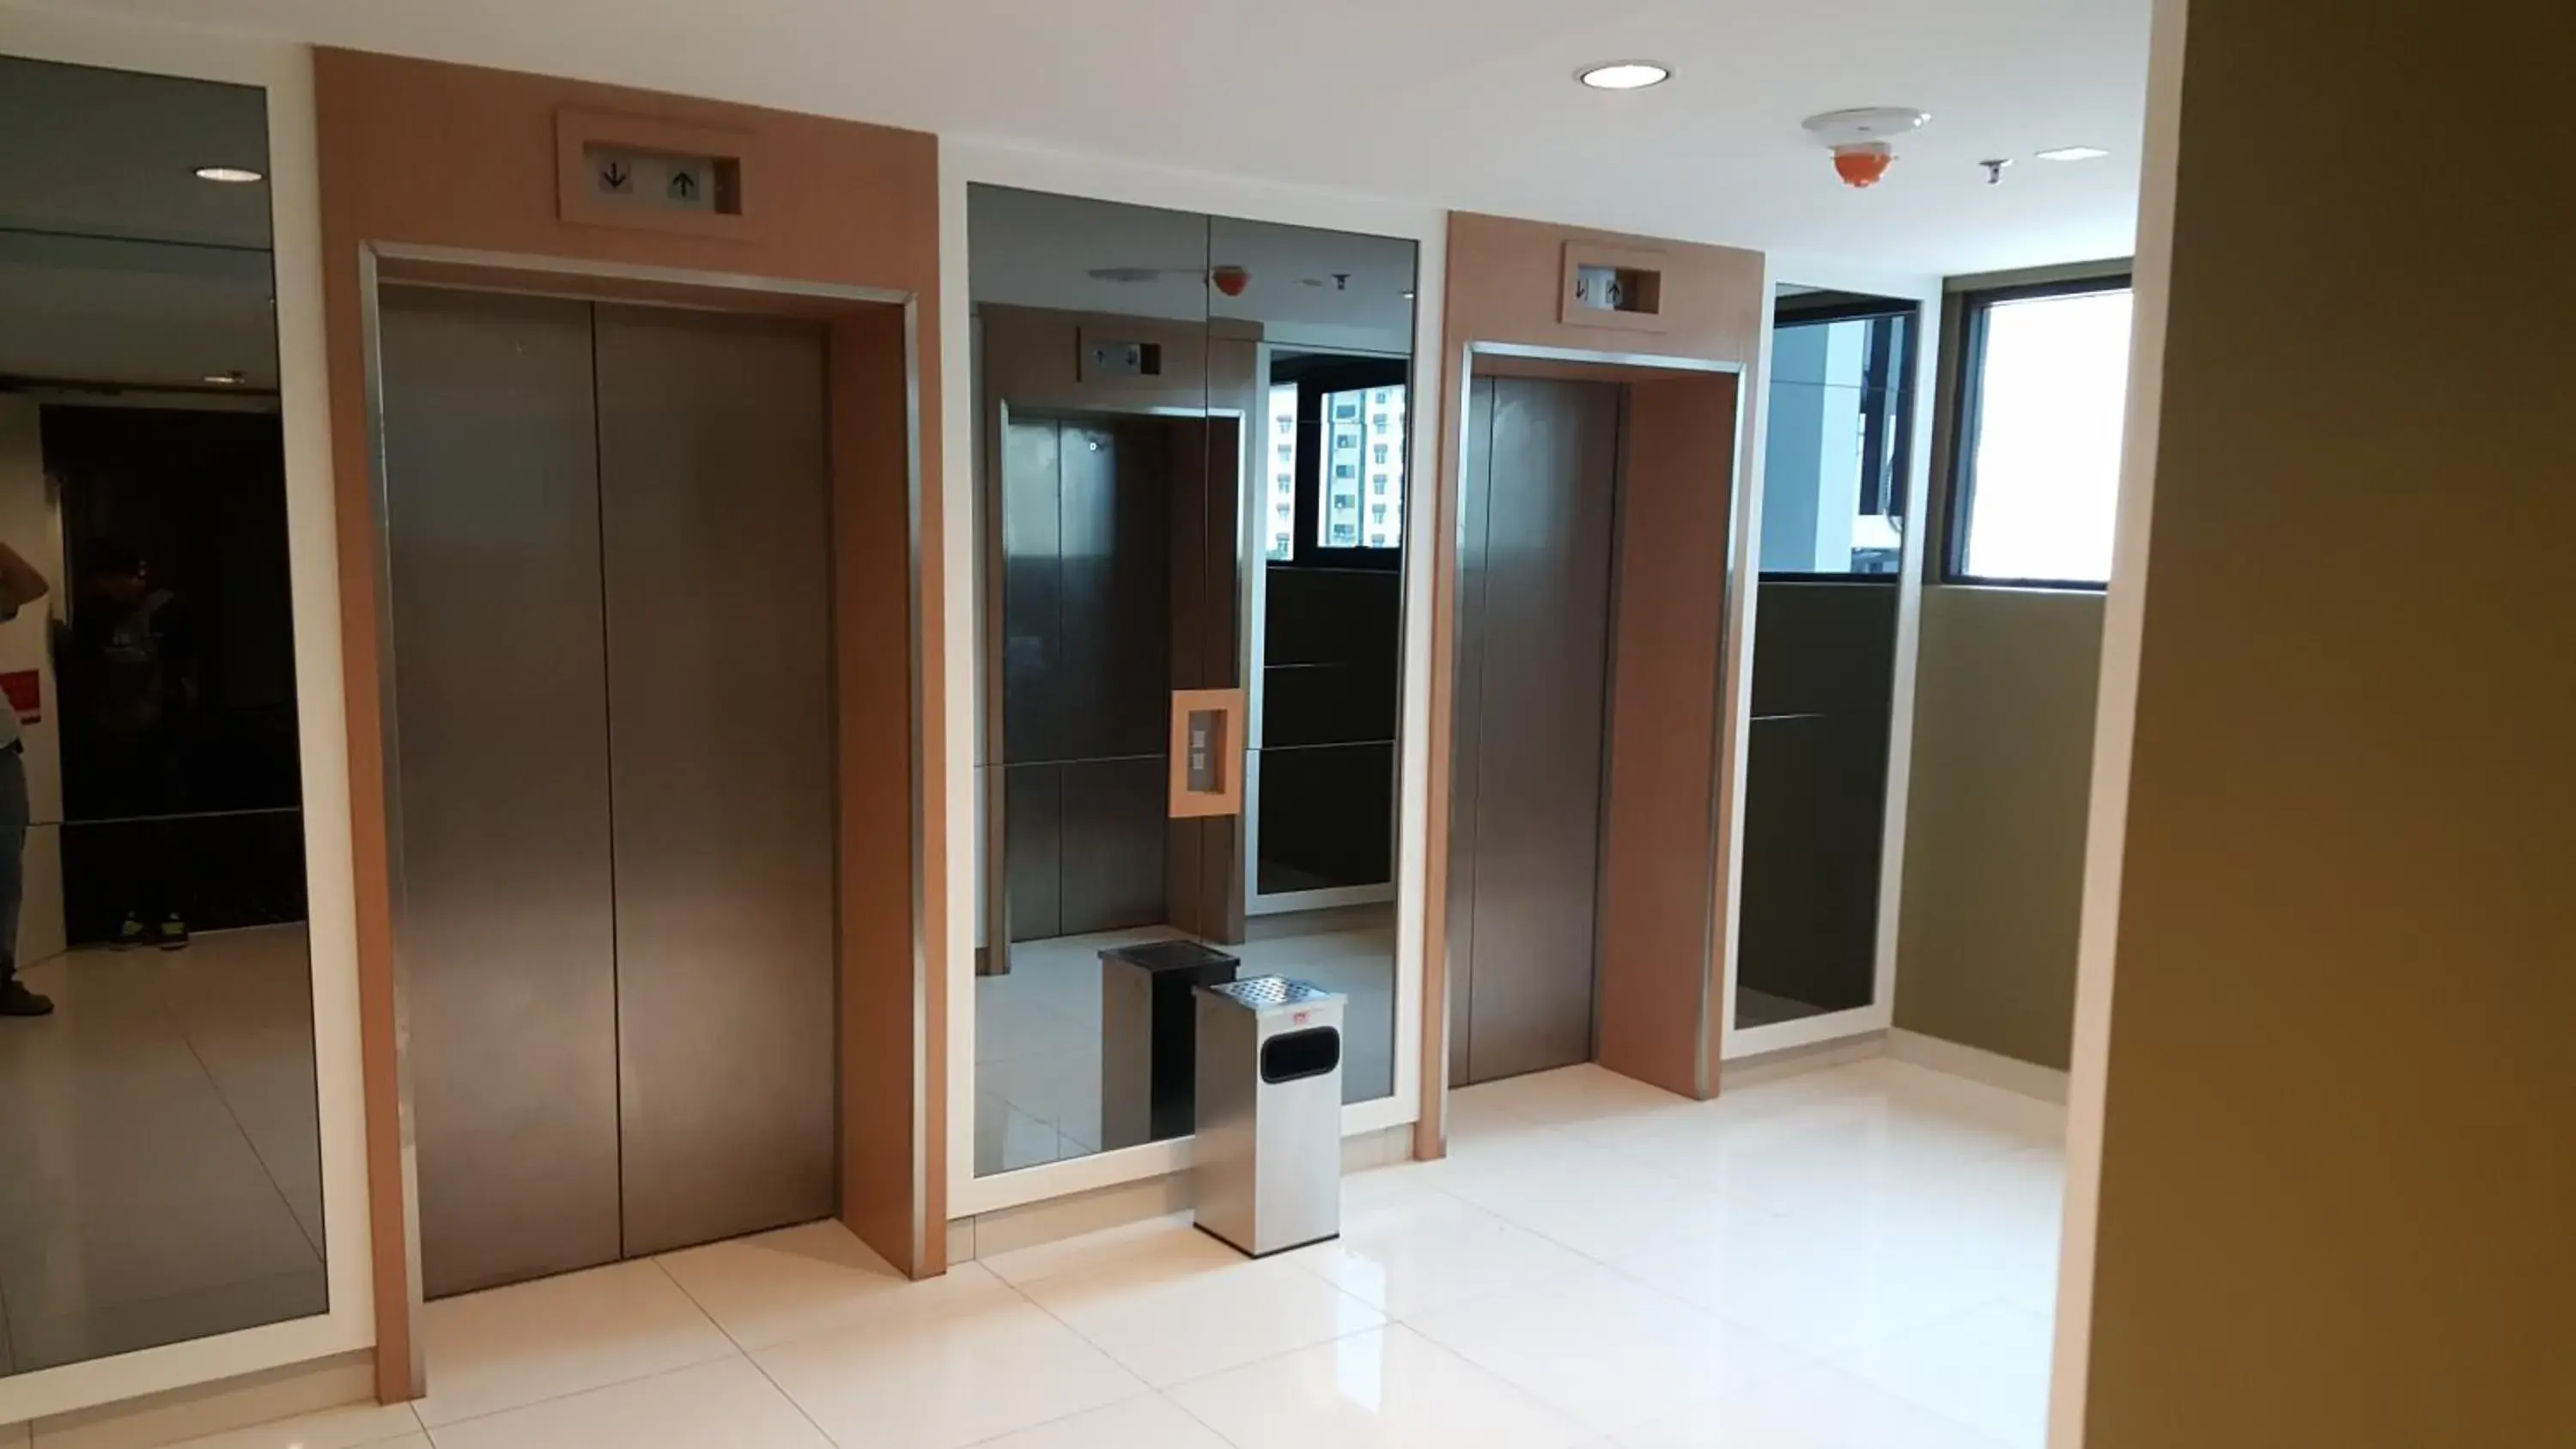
x: 229, y: 175
x: 2074, y: 153
x: 1408, y: 294
x: 234, y: 378
x: 1625, y: 75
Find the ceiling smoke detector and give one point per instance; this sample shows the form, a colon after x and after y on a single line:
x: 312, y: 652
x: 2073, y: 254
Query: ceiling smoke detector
x: 1863, y: 138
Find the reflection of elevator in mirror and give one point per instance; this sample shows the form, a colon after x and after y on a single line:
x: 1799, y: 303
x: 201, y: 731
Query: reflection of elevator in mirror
x: 608, y: 562
x: 1113, y: 502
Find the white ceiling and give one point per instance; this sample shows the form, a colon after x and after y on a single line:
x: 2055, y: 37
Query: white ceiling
x: 1466, y: 103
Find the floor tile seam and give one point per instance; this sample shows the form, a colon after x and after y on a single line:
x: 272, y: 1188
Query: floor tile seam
x: 1086, y: 1340
x: 623, y: 1380
x: 233, y: 1114
x: 793, y: 1402
x: 1193, y: 1416
x: 703, y: 1311
x: 1977, y: 1435
x: 1167, y: 1390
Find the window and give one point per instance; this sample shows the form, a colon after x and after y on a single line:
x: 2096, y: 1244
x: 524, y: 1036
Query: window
x: 1378, y: 453
x: 1378, y: 423
x: 2044, y: 386
x: 1345, y: 408
x: 1283, y: 424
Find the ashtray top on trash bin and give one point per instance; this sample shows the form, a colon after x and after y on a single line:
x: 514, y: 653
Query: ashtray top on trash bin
x: 1266, y: 994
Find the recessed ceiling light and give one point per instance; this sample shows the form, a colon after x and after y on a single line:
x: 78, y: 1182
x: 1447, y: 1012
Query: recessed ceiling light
x: 229, y: 175
x: 2074, y: 153
x: 1625, y: 75
x: 234, y: 378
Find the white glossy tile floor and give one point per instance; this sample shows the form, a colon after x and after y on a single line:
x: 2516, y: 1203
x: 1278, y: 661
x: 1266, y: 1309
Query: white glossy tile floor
x: 1853, y: 1257
x: 160, y: 1167
x: 1037, y: 1028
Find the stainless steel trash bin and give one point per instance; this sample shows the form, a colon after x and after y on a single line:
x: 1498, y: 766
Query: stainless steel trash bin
x: 1269, y: 1174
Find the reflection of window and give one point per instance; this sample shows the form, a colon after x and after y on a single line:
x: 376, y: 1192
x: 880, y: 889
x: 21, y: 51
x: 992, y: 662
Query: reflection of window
x: 2044, y: 384
x: 1383, y: 443
x: 1283, y: 423
x: 1835, y: 466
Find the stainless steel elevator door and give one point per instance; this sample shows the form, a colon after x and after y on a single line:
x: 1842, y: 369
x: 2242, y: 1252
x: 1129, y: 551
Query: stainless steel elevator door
x: 716, y: 519
x: 501, y: 746
x: 1535, y: 578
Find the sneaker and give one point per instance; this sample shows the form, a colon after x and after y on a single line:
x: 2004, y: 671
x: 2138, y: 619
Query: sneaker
x: 129, y: 935
x: 174, y: 933
x: 17, y: 1000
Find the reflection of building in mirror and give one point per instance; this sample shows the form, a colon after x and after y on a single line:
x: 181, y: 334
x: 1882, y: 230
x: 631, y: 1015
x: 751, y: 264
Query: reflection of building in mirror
x: 1833, y: 498
x: 1279, y: 524
x: 1364, y: 476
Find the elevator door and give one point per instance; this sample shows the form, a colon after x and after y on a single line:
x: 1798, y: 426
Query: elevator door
x: 1086, y: 672
x: 612, y: 688
x: 1535, y: 581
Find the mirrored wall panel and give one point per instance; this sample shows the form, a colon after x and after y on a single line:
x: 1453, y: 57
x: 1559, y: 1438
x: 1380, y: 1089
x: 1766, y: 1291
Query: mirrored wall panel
x: 1191, y: 476
x: 1836, y: 508
x: 160, y: 1166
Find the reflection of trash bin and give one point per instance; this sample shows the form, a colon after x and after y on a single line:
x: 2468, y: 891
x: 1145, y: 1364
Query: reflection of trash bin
x: 1147, y: 1039
x: 1269, y: 1152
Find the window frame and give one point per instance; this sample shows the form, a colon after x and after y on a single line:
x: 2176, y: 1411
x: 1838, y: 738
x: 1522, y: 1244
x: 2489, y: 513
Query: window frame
x: 1959, y: 484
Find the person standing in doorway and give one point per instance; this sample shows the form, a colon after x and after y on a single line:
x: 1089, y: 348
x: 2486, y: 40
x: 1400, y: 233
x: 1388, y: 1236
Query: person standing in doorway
x: 129, y: 685
x: 20, y: 585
